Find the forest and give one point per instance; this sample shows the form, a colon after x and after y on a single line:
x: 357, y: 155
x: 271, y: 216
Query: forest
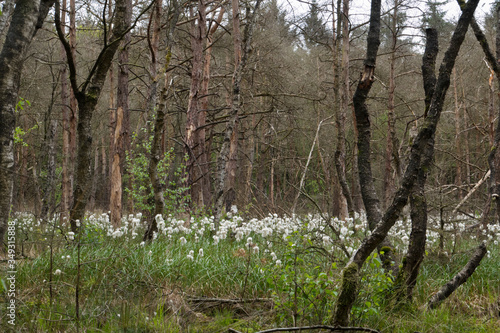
x: 249, y: 166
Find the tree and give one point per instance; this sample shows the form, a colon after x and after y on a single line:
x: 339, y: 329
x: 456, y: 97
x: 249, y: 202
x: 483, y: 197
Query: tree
x: 420, y: 155
x: 27, y: 18
x: 87, y: 95
x: 224, y: 153
x: 314, y: 29
x: 122, y: 125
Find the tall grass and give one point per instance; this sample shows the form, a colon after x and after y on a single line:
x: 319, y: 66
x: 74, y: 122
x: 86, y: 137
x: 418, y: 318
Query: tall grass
x: 127, y: 285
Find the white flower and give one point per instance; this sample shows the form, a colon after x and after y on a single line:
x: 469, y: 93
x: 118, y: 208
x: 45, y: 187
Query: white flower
x: 278, y: 262
x: 77, y: 222
x: 142, y: 243
x: 150, y: 252
x: 216, y: 239
x: 234, y: 209
x: 190, y: 257
x: 68, y: 257
x: 183, y: 240
x: 200, y: 253
x: 71, y: 235
x: 57, y: 272
x: 255, y: 249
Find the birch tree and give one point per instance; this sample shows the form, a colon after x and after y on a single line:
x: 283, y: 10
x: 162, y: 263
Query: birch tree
x: 27, y: 18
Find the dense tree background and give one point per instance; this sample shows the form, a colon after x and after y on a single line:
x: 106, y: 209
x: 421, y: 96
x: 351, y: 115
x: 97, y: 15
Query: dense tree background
x: 287, y: 99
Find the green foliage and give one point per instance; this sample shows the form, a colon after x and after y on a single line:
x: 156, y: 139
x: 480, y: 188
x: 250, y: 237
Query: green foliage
x: 377, y: 282
x: 304, y: 291
x: 19, y: 133
x: 172, y: 177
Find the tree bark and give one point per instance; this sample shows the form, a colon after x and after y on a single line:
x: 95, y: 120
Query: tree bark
x: 155, y: 158
x: 418, y: 203
x: 122, y: 125
x: 233, y: 117
x: 27, y: 18
x: 7, y: 9
x: 87, y: 95
x: 198, y: 32
x: 201, y: 151
x: 425, y: 137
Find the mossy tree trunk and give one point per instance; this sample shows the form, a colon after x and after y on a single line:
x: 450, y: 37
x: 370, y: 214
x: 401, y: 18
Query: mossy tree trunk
x: 419, y: 147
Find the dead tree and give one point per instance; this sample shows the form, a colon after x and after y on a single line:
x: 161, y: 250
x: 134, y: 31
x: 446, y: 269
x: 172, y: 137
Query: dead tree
x: 224, y: 153
x: 161, y: 111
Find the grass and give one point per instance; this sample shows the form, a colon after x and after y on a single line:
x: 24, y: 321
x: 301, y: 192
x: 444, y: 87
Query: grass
x: 125, y: 285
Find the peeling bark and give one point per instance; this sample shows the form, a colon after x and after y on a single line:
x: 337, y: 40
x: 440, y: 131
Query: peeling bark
x: 121, y: 126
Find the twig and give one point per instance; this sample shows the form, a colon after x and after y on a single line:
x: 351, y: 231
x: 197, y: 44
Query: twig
x: 316, y: 327
x: 231, y: 301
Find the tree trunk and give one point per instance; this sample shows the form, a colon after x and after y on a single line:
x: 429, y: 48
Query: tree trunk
x: 198, y: 32
x: 87, y: 95
x: 48, y: 200
x: 425, y: 137
x: 391, y: 153
x: 342, y: 103
x: 201, y: 151
x: 7, y: 9
x: 122, y: 126
x: 418, y: 202
x: 27, y: 18
x: 231, y: 125
x: 160, y: 119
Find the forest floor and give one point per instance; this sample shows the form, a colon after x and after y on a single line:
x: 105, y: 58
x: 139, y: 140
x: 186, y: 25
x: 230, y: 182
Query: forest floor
x: 250, y: 275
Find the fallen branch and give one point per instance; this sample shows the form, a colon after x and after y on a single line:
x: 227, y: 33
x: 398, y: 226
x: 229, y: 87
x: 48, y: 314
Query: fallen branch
x: 230, y: 301
x: 316, y: 327
x: 479, y: 183
x: 459, y: 279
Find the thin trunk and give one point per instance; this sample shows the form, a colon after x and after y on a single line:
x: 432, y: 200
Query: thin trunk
x: 66, y: 110
x: 251, y: 161
x: 201, y: 152
x: 198, y: 32
x: 160, y: 120
x: 231, y: 125
x: 458, y: 136
x: 341, y: 95
x: 50, y: 143
x: 73, y: 105
x: 389, y: 171
x: 121, y: 126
